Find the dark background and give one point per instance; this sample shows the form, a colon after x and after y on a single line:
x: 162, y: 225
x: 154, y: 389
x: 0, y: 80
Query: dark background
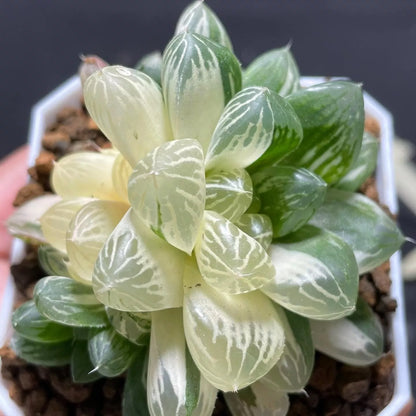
x: 370, y: 41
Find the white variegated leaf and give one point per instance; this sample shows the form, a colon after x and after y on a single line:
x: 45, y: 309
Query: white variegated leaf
x: 234, y: 339
x: 175, y: 387
x: 229, y: 193
x: 121, y: 173
x: 52, y: 261
x: 85, y: 174
x: 55, y: 221
x: 244, y: 131
x: 229, y: 259
x: 316, y: 274
x: 355, y: 340
x: 25, y: 221
x: 128, y: 107
x: 258, y: 226
x: 148, y: 274
x: 257, y: 400
x: 199, y: 18
x: 199, y: 77
x: 87, y: 232
x: 167, y: 191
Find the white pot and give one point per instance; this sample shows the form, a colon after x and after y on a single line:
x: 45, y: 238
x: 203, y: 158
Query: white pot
x: 69, y: 93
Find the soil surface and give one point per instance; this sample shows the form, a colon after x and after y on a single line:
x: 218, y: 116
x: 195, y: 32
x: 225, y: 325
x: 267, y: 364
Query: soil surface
x: 334, y: 388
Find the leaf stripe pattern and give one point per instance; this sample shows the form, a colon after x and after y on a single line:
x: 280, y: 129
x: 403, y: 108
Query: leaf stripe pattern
x: 257, y: 226
x: 230, y: 260
x: 167, y: 190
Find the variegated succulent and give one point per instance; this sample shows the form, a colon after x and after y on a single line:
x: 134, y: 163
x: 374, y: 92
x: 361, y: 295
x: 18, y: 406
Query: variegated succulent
x: 220, y: 240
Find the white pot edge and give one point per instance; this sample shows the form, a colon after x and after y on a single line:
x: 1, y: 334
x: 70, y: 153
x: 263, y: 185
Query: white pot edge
x: 43, y: 114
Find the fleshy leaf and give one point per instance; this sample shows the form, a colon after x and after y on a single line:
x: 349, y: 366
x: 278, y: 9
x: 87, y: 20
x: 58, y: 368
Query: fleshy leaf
x: 199, y: 77
x: 289, y: 196
x: 229, y: 193
x: 363, y: 167
x: 199, y: 18
x: 133, y: 326
x: 146, y: 277
x: 24, y: 223
x: 293, y: 370
x: 332, y: 117
x: 167, y: 191
x: 120, y: 174
x: 52, y: 261
x: 87, y: 233
x: 372, y: 235
x: 67, y: 302
x: 151, y: 64
x: 128, y: 107
x: 257, y: 226
x: 316, y: 274
x: 85, y: 174
x: 229, y: 259
x: 82, y: 369
x: 110, y: 353
x: 174, y: 384
x: 38, y: 353
x: 56, y: 219
x: 29, y: 323
x: 276, y: 70
x: 233, y: 339
x: 355, y: 340
x: 257, y: 400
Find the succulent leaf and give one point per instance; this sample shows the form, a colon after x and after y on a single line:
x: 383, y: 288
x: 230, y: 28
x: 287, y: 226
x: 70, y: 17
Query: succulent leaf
x: 199, y: 77
x: 146, y: 277
x: 289, y: 196
x: 370, y: 232
x: 355, y: 340
x: 199, y: 18
x: 332, y: 117
x: 229, y: 193
x: 52, y: 261
x: 233, y: 339
x: 167, y: 191
x: 120, y: 173
x: 276, y: 70
x: 151, y: 64
x: 230, y: 260
x: 82, y: 369
x: 174, y: 384
x: 257, y: 226
x: 128, y: 107
x: 316, y: 274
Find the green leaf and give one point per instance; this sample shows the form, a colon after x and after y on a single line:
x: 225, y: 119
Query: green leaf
x: 229, y: 193
x: 363, y: 167
x: 316, y: 274
x: 293, y: 370
x: 133, y: 326
x: 233, y: 339
x: 110, y: 353
x: 134, y: 402
x: 52, y: 261
x: 257, y: 400
x: 167, y: 191
x: 129, y: 108
x: 332, y: 117
x: 230, y: 260
x: 257, y: 226
x: 199, y: 18
x: 151, y: 64
x: 276, y: 70
x: 173, y: 380
x: 67, y: 302
x: 148, y: 274
x: 82, y: 369
x: 199, y: 77
x: 289, y: 196
x: 370, y: 232
x: 355, y: 340
x: 39, y: 353
x: 29, y: 323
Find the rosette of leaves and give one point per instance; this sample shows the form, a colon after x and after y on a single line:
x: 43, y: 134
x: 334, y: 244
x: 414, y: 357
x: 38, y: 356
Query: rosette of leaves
x: 220, y: 240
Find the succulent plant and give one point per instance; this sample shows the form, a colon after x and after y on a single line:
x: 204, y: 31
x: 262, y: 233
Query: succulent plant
x: 220, y: 240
